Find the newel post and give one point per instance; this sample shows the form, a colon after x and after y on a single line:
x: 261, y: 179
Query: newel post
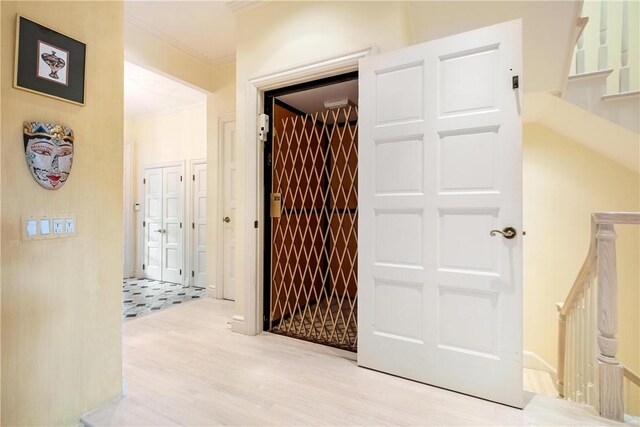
x: 562, y: 335
x: 611, y: 371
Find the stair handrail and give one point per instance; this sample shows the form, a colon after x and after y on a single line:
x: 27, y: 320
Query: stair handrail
x: 600, y: 265
x: 631, y: 376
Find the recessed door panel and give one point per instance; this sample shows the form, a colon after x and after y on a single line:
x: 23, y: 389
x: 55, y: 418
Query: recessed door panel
x: 172, y: 224
x: 199, y: 224
x: 152, y: 258
x: 229, y: 210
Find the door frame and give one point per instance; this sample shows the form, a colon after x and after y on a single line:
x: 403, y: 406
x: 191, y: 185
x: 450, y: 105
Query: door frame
x: 141, y: 196
x: 250, y: 320
x: 267, y: 171
x: 218, y: 288
x: 190, y: 236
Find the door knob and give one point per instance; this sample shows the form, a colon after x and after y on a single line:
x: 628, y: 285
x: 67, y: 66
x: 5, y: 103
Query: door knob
x: 507, y: 233
x: 227, y: 219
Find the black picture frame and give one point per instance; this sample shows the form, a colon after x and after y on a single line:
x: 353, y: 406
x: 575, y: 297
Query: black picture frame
x: 48, y: 62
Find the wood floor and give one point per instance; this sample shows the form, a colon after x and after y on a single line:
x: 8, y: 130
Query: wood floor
x: 184, y: 366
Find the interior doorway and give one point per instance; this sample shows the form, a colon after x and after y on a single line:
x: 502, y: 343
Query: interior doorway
x: 311, y: 211
x: 165, y: 183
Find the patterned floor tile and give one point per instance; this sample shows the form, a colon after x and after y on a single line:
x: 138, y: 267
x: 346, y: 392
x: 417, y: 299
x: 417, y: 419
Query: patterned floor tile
x: 142, y: 296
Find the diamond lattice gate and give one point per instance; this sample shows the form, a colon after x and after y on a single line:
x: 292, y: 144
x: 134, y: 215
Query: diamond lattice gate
x: 314, y: 242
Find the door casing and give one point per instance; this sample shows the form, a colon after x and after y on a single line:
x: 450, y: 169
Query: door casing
x: 251, y: 317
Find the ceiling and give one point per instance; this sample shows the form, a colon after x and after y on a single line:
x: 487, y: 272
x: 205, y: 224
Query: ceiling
x: 312, y: 100
x: 203, y: 29
x: 146, y: 93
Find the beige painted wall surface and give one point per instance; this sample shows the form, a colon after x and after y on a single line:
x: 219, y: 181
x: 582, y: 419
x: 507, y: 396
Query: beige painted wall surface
x: 564, y: 182
x: 280, y: 35
x: 144, y: 49
x: 61, y: 299
x: 221, y: 102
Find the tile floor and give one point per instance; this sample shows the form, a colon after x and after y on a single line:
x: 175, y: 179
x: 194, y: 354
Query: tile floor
x: 144, y: 296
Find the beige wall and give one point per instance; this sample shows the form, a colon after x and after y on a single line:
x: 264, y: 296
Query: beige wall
x: 146, y: 50
x: 564, y: 182
x: 61, y: 299
x: 293, y: 34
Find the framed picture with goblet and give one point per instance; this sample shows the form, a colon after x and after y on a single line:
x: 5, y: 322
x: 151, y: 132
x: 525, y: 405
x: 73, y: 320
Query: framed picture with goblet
x: 48, y: 62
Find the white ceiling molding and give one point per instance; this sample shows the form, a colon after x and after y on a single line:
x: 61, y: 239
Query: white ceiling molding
x: 236, y: 5
x: 167, y: 39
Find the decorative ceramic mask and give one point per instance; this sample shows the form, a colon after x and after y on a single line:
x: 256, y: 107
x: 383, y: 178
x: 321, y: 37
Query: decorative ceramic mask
x: 49, y: 152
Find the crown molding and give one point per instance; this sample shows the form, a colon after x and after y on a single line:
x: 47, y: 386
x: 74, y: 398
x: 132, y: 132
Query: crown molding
x: 241, y: 5
x: 187, y: 50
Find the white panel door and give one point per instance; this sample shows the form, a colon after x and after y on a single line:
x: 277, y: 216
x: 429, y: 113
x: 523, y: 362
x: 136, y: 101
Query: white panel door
x: 172, y: 224
x: 199, y: 224
x: 229, y: 210
x: 152, y: 259
x: 440, y: 299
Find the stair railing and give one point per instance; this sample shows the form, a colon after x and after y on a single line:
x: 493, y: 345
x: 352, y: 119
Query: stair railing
x: 588, y: 371
x: 605, y: 17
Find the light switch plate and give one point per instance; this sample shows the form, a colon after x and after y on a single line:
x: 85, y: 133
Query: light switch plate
x: 70, y: 226
x: 45, y: 228
x: 29, y: 228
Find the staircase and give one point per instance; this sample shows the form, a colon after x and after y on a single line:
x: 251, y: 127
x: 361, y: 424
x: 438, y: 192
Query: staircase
x: 588, y: 370
x: 603, y: 80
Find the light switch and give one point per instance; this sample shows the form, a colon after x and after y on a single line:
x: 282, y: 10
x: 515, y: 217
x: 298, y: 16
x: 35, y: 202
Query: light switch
x: 45, y: 227
x: 32, y: 227
x: 69, y: 226
x: 57, y: 226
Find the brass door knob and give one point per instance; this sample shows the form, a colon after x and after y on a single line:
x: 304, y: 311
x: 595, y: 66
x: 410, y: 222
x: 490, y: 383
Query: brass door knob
x: 227, y: 219
x: 507, y: 233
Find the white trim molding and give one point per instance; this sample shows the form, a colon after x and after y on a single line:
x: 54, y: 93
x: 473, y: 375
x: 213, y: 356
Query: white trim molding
x: 254, y: 92
x: 531, y: 360
x: 238, y: 324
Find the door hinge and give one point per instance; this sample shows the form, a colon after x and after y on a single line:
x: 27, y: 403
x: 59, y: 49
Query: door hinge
x: 193, y: 225
x: 143, y: 266
x: 180, y: 225
x: 515, y: 82
x: 255, y: 224
x: 193, y: 273
x: 181, y: 272
x: 194, y: 177
x: 144, y: 223
x: 263, y: 127
x: 180, y: 178
x: 144, y: 180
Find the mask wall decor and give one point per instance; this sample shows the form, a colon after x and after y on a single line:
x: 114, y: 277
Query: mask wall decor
x: 48, y: 149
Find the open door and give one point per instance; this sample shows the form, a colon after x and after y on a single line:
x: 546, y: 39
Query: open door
x: 440, y: 293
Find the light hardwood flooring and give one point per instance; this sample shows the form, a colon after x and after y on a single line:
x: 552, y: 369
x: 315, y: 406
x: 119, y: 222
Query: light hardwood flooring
x: 184, y: 366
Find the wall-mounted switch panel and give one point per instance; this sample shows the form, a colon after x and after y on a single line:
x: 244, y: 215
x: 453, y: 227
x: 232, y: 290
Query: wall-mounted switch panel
x: 48, y: 227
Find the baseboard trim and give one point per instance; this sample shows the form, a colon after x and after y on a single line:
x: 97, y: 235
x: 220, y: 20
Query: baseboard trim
x: 212, y: 291
x: 531, y: 360
x: 237, y: 324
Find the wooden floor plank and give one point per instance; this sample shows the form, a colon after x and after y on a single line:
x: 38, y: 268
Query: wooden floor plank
x: 184, y: 366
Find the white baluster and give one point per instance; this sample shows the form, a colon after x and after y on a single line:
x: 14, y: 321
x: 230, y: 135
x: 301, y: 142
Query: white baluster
x: 579, y: 349
x: 624, y: 49
x: 610, y: 371
x: 595, y: 373
x: 603, y: 50
x: 562, y: 352
x: 580, y: 54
